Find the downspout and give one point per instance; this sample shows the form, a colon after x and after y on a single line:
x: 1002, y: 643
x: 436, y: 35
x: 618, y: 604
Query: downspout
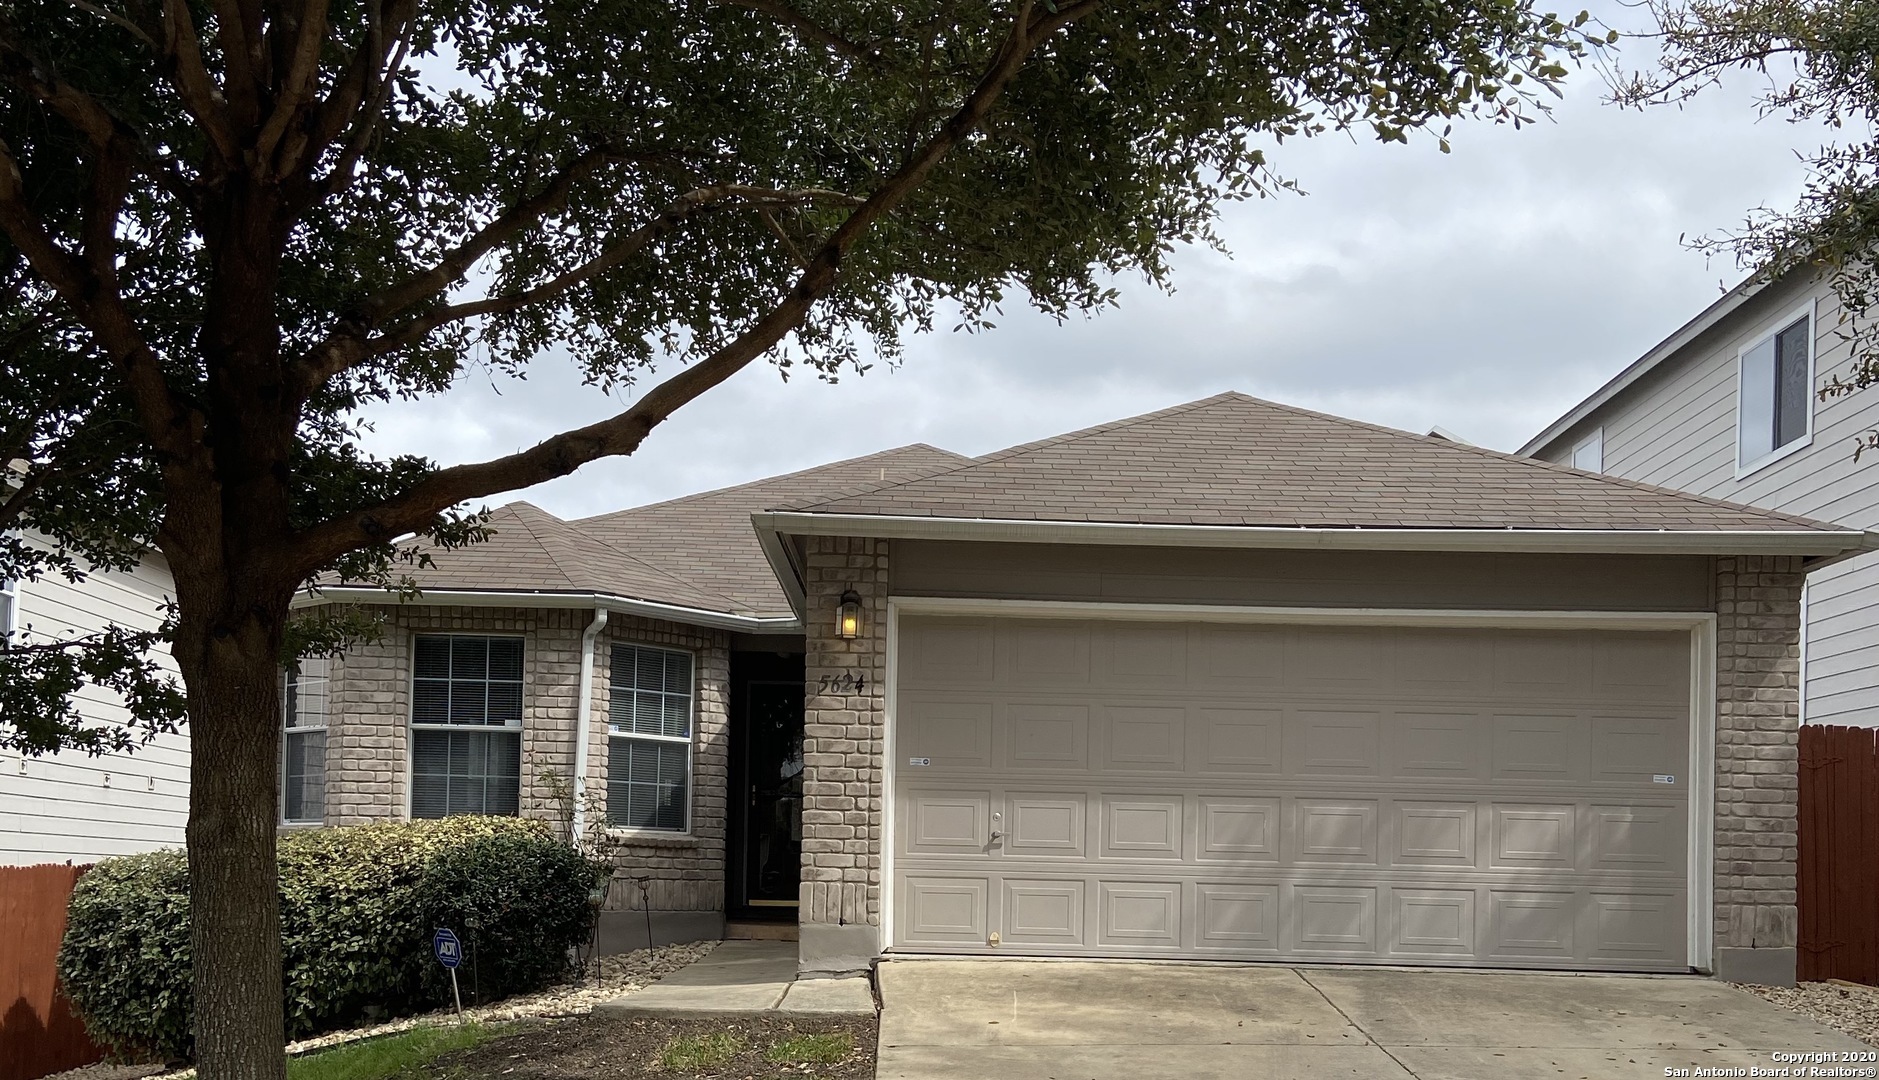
x: 584, y: 721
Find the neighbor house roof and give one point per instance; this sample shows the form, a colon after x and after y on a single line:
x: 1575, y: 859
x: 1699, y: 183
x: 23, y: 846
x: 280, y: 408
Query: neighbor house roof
x: 1233, y: 460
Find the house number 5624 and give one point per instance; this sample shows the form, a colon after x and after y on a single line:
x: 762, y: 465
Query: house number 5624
x: 846, y: 683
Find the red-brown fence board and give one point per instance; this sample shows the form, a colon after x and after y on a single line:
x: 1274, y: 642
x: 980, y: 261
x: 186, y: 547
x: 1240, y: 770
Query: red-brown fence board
x: 39, y: 1035
x: 1839, y: 857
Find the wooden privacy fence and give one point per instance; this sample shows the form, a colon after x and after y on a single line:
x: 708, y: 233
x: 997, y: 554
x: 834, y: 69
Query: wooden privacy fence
x: 1839, y: 871
x: 39, y: 1035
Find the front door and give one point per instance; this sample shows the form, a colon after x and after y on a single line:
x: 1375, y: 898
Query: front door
x: 772, y: 812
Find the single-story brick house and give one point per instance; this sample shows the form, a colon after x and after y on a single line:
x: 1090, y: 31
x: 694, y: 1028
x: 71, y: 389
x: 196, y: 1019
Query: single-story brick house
x: 1230, y: 680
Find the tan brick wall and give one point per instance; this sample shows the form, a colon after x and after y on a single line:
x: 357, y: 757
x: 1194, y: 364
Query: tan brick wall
x: 366, y: 744
x: 845, y: 724
x: 1758, y: 678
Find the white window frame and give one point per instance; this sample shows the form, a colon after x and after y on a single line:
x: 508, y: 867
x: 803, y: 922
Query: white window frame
x: 1595, y: 439
x: 412, y: 726
x: 324, y: 726
x: 689, y: 740
x: 1744, y: 469
x: 10, y: 611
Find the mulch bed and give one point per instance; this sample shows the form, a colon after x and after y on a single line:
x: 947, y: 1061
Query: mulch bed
x: 629, y: 1048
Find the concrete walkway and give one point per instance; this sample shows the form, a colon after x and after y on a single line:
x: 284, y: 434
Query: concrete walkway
x: 1044, y: 1020
x: 746, y: 978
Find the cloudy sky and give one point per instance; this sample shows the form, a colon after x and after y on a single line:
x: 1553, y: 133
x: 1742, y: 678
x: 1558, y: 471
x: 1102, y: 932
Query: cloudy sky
x: 1486, y: 290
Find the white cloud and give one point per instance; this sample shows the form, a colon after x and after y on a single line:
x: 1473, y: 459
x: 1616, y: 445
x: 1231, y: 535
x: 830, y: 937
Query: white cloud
x: 1485, y: 290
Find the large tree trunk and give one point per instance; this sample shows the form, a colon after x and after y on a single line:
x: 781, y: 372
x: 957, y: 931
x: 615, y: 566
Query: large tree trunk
x: 231, y: 669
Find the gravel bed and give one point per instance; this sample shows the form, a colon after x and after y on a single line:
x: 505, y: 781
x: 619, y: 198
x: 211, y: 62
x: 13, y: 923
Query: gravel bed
x: 1853, y: 1010
x: 618, y: 975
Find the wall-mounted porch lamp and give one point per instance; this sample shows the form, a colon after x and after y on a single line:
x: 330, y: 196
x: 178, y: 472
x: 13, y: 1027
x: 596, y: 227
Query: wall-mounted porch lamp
x: 848, y: 616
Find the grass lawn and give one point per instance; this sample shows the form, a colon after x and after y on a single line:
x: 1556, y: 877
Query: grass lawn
x: 767, y: 1047
x: 390, y: 1055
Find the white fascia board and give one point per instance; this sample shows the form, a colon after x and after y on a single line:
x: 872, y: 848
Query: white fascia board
x: 1644, y: 365
x: 1807, y: 542
x: 623, y: 605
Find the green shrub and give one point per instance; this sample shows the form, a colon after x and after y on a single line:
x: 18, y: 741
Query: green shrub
x: 358, y: 908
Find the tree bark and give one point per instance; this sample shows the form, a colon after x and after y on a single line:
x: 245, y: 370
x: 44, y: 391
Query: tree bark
x: 231, y: 668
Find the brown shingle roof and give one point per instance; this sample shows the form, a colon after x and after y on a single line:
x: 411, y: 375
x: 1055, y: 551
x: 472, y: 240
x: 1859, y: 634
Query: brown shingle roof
x: 706, y: 539
x: 531, y: 550
x: 1234, y: 460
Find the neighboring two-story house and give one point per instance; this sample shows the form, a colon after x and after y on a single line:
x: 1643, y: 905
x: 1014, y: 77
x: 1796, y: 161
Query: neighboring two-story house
x: 1729, y: 407
x: 73, y: 807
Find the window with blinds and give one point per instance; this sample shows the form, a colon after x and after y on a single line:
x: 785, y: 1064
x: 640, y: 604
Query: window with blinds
x: 304, y: 709
x: 649, y: 749
x: 466, y: 725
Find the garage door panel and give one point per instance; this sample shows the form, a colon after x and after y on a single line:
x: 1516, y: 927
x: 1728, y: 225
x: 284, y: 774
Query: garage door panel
x: 944, y: 911
x: 1432, y: 923
x: 1142, y: 827
x: 946, y: 654
x: 1238, y: 830
x: 1047, y: 737
x: 1532, y: 924
x: 945, y: 731
x: 1342, y: 831
x: 1238, y: 917
x: 1234, y: 741
x: 1332, y: 742
x: 1633, y: 749
x: 1337, y: 658
x: 1144, y: 738
x: 1140, y: 915
x: 1436, y: 745
x: 1649, y: 669
x: 1045, y: 654
x: 1434, y: 834
x: 1539, y: 746
x: 1235, y: 657
x: 947, y: 822
x: 1334, y: 919
x: 1527, y: 836
x: 1252, y: 808
x: 1043, y: 912
x: 1635, y: 838
x: 1045, y: 825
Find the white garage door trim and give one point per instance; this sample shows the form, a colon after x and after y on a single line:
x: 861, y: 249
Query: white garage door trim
x: 1701, y: 626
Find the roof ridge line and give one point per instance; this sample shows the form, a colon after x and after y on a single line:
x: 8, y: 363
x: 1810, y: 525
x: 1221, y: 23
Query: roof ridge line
x: 535, y: 536
x: 573, y: 537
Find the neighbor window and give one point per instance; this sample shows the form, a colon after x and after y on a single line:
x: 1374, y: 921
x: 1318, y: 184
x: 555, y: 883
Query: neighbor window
x: 649, y: 748
x: 9, y: 607
x: 1774, y: 406
x: 1589, y: 454
x: 303, y: 740
x: 466, y: 725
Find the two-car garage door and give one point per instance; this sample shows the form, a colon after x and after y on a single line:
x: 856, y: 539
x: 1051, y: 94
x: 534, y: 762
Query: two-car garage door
x: 1376, y: 794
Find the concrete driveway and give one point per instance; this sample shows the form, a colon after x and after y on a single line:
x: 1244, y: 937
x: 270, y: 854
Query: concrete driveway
x: 1046, y: 1020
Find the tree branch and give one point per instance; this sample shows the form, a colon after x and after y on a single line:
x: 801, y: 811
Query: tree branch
x: 182, y: 49
x: 100, y: 308
x: 806, y: 28
x: 417, y: 508
x: 297, y: 86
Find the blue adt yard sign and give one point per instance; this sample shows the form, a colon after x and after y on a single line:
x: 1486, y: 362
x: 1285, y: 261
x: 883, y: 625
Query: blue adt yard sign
x: 449, y: 953
x: 448, y: 949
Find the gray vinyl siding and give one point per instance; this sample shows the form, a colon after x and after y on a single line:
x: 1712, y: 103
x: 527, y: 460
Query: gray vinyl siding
x: 1676, y: 428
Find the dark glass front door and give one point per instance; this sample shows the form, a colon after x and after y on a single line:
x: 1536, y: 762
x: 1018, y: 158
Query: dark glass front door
x: 772, y: 833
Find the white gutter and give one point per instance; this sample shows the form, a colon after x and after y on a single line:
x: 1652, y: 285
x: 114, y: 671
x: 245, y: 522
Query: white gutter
x: 1806, y: 542
x: 584, y: 721
x: 620, y: 605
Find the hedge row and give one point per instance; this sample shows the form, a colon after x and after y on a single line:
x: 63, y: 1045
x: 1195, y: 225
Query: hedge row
x: 359, y: 906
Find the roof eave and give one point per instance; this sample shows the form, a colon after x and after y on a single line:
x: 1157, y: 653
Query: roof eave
x: 622, y: 605
x: 1803, y: 542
